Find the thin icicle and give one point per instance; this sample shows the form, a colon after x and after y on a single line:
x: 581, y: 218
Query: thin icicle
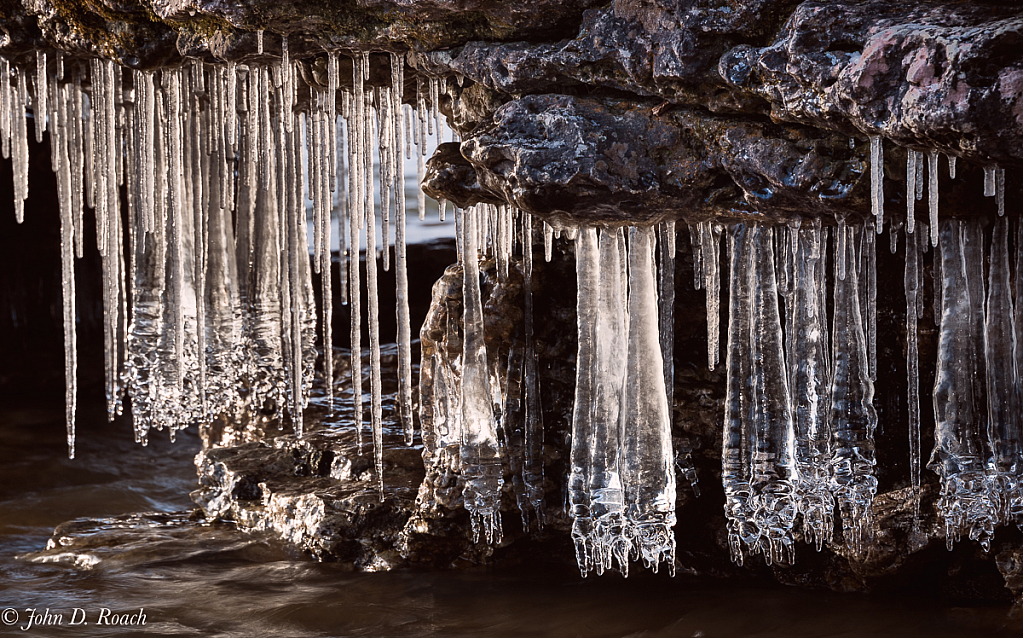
x: 952, y: 166
x: 911, y: 161
x: 711, y: 247
x: 911, y: 282
x: 932, y: 193
x: 532, y: 466
x: 1000, y: 190
x: 548, y: 242
x: 989, y: 181
x: 696, y: 242
x: 877, y: 180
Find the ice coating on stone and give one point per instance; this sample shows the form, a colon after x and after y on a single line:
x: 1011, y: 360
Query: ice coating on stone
x: 853, y: 417
x: 959, y: 457
x: 480, y: 453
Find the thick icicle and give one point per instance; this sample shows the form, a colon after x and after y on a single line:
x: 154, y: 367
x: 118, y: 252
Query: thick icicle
x: 587, y: 262
x: 666, y: 302
x: 1005, y: 474
x: 959, y: 456
x: 758, y: 445
x: 647, y: 464
x: 853, y: 418
x: 806, y: 339
x: 480, y: 453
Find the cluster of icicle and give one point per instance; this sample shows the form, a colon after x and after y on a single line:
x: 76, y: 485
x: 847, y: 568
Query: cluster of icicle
x: 481, y: 414
x: 622, y: 481
x: 211, y: 310
x: 799, y: 421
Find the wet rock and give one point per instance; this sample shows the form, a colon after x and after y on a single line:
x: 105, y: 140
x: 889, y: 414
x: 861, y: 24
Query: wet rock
x: 927, y: 75
x: 134, y: 540
x: 318, y: 494
x: 567, y: 158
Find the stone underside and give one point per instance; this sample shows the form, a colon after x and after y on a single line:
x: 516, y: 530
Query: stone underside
x: 631, y: 111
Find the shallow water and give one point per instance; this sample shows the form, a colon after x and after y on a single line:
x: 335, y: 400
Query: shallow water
x: 196, y: 580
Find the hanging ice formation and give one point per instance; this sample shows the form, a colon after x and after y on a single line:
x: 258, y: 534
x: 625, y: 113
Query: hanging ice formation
x: 622, y: 481
x: 211, y: 309
x: 218, y: 314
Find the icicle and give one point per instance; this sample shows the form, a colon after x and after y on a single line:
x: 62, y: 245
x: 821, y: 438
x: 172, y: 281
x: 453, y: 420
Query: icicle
x: 919, y: 175
x: 59, y: 139
x: 481, y: 458
x: 937, y: 282
x: 911, y: 282
x: 989, y: 181
x: 806, y: 338
x: 1000, y: 190
x: 1005, y: 474
x: 853, y: 418
x: 911, y: 162
x: 19, y: 144
x: 868, y: 257
x: 959, y: 457
x: 610, y: 538
x: 696, y: 241
x: 259, y: 42
x: 647, y: 465
x: 952, y: 166
x: 757, y: 447
x: 548, y: 242
x: 841, y: 250
x: 712, y: 285
x: 357, y: 202
x: 376, y: 414
x: 532, y: 466
x: 932, y: 193
x: 877, y: 180
x: 666, y: 301
x: 39, y: 105
x: 587, y: 263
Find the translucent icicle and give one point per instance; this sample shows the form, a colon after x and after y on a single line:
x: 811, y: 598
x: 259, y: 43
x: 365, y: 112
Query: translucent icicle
x: 587, y: 263
x: 911, y: 161
x: 959, y: 457
x: 19, y: 144
x: 911, y: 283
x: 1005, y: 474
x: 1000, y: 190
x: 989, y: 181
x: 647, y: 466
x: 696, y: 241
x: 932, y: 192
x: 480, y: 453
x: 610, y: 538
x: 532, y: 466
x: 712, y: 285
x: 877, y: 180
x: 376, y: 414
x: 952, y: 166
x: 868, y: 257
x: 666, y: 302
x: 809, y: 380
x: 548, y: 242
x: 39, y: 105
x: 853, y: 418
